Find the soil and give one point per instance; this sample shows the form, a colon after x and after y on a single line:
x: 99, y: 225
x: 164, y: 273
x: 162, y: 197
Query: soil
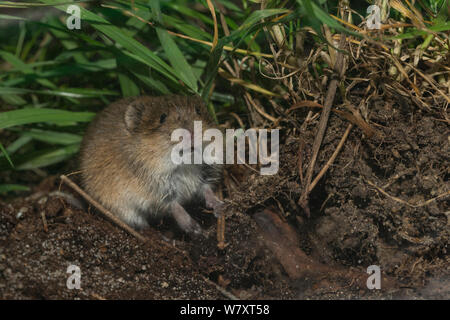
x: 380, y: 203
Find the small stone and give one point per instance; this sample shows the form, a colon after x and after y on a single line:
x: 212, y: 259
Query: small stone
x: 22, y: 210
x: 164, y: 285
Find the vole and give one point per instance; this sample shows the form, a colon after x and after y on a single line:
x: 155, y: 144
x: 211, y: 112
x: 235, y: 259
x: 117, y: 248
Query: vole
x: 126, y: 160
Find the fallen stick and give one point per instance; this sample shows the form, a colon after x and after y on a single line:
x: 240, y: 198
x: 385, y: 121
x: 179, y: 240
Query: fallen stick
x: 339, y: 69
x: 227, y: 294
x: 134, y: 233
x: 44, y: 221
x: 332, y: 158
x: 354, y: 119
x: 102, y: 209
x: 418, y: 205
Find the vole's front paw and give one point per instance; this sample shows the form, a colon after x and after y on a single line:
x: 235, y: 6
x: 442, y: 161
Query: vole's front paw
x: 218, y: 209
x: 194, y: 228
x: 184, y: 220
x: 212, y: 202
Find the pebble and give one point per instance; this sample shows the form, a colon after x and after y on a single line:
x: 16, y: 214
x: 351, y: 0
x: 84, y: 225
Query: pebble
x: 22, y: 210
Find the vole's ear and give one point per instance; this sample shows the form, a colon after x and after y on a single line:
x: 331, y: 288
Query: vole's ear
x: 133, y: 116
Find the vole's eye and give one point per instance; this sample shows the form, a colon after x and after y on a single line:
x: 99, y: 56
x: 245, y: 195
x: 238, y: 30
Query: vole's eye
x: 163, y: 117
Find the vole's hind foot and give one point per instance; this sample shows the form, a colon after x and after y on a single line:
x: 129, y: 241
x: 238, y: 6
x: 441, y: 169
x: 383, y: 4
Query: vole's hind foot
x: 212, y: 202
x: 184, y: 220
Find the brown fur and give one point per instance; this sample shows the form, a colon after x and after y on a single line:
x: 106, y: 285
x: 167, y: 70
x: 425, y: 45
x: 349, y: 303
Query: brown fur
x: 125, y: 157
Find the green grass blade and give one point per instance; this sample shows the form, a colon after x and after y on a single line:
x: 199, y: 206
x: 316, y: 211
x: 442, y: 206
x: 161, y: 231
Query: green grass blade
x: 5, y: 153
x: 173, y: 53
x: 4, y: 188
x: 17, y: 144
x: 248, y: 26
x: 177, y: 60
x: 48, y: 157
x: 53, y: 136
x: 135, y: 49
x: 31, y: 115
x: 23, y: 67
x: 316, y: 15
x: 439, y: 27
x: 128, y: 87
x: 66, y: 92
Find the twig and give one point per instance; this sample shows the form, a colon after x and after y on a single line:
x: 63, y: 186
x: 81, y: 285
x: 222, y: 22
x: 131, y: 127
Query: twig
x: 301, y: 146
x: 133, y: 232
x: 354, y: 118
x: 227, y: 48
x: 117, y: 221
x: 103, y: 210
x: 97, y: 296
x: 397, y: 176
x: 332, y: 158
x: 216, y: 29
x: 421, y: 204
x: 221, y: 233
x: 339, y: 68
x: 221, y: 290
x: 257, y: 108
x: 238, y: 119
x: 430, y: 81
x: 44, y: 221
